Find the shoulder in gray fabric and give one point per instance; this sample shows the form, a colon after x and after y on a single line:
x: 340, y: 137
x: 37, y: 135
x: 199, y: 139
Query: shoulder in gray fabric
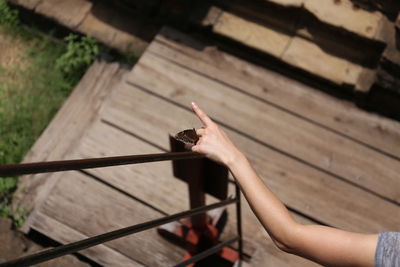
x: 388, y: 250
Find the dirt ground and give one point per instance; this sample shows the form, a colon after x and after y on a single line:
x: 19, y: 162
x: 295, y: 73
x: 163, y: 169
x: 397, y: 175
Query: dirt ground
x: 14, y: 244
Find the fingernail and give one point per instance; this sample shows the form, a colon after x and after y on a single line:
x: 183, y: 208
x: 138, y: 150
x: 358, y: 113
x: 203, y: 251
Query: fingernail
x: 193, y: 104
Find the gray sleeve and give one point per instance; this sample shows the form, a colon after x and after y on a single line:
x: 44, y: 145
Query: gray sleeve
x: 388, y: 250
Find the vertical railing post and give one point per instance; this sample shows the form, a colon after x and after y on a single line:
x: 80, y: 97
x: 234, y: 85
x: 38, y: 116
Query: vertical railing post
x: 239, y: 221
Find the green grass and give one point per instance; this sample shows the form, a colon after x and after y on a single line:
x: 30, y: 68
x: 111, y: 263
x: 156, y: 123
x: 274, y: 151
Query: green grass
x: 30, y: 94
x: 32, y: 90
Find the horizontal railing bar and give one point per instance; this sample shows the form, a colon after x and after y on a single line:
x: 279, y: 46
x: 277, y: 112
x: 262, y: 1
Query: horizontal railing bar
x: 96, y: 240
x: 79, y: 164
x: 207, y: 252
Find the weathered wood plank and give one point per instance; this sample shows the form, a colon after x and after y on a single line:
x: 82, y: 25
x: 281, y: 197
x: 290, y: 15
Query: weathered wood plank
x: 295, y: 136
x: 268, y: 255
x: 390, y: 8
x: 111, y: 29
x: 310, y: 57
x: 295, y: 20
x: 162, y: 193
x: 28, y: 4
x: 153, y: 183
x: 103, y: 209
x: 64, y: 234
x: 340, y: 116
x: 66, y: 128
x: 343, y: 14
x: 69, y: 13
x: 140, y: 104
x: 296, y: 51
x: 252, y: 34
x: 303, y: 188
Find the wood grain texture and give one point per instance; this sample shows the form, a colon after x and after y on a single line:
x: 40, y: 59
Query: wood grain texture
x: 153, y: 183
x: 343, y: 117
x: 296, y: 51
x: 303, y: 188
x: 341, y: 14
x: 148, y: 125
x: 66, y: 128
x: 289, y: 134
x: 310, y: 57
x: 69, y: 13
x: 102, y: 209
x: 323, y: 157
x: 252, y: 34
x: 28, y: 4
x: 64, y: 234
x: 112, y: 30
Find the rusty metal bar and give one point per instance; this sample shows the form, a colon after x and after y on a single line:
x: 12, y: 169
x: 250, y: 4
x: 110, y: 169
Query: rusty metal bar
x: 96, y: 240
x: 78, y: 164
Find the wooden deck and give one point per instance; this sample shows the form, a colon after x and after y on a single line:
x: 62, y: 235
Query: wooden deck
x: 328, y: 161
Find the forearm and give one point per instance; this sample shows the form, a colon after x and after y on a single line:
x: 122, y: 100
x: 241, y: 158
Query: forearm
x: 325, y: 245
x: 270, y: 211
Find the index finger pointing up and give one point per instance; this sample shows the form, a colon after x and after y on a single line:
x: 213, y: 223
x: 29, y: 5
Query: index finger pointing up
x: 202, y: 116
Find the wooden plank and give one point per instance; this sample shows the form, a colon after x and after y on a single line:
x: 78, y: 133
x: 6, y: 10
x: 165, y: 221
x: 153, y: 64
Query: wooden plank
x: 28, y: 4
x: 102, y: 209
x: 390, y: 32
x: 297, y: 21
x: 64, y: 234
x: 343, y: 14
x: 140, y: 104
x: 251, y: 34
x: 299, y: 138
x: 55, y: 142
x: 296, y: 51
x: 300, y: 186
x: 268, y: 255
x: 153, y: 183
x: 69, y: 13
x: 164, y: 194
x: 310, y: 57
x: 388, y: 7
x: 341, y: 116
x: 113, y: 31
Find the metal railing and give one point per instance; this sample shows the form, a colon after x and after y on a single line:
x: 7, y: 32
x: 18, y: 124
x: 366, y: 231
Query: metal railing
x: 55, y: 166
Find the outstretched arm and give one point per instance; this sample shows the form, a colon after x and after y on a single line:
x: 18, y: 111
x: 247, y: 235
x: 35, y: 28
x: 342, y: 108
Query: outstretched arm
x: 325, y: 245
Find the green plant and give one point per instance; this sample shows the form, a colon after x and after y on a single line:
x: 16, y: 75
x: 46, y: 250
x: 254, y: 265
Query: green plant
x: 18, y: 215
x: 80, y: 53
x: 8, y: 16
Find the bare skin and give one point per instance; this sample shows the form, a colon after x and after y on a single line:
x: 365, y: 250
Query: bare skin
x: 324, y: 245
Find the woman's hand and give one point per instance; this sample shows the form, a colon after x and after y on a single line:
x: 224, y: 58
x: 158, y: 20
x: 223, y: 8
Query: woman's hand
x: 213, y: 142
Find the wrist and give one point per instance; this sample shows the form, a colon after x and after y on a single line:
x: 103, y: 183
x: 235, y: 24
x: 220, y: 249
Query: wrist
x: 234, y: 159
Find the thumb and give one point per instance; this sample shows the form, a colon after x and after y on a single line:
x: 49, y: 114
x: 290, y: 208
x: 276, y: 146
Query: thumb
x: 195, y: 148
